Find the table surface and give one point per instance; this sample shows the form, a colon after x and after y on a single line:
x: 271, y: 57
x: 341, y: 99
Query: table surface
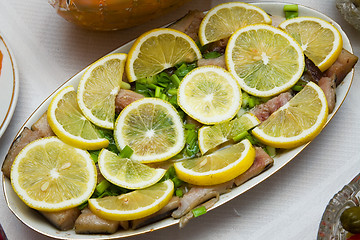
x: 288, y: 205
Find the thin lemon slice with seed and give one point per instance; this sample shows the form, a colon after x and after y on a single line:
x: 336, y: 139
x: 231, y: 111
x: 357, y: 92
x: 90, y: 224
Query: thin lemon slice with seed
x: 223, y: 20
x: 212, y: 136
x: 127, y: 173
x: 49, y: 175
x: 320, y: 40
x: 209, y: 95
x: 152, y: 128
x: 218, y: 167
x: 98, y: 88
x: 69, y: 124
x: 133, y: 205
x: 157, y: 50
x: 265, y: 60
x: 297, y: 122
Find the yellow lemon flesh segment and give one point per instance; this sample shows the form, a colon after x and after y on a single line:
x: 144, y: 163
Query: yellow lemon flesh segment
x: 210, y: 137
x: 133, y: 205
x: 218, y: 167
x: 209, y: 95
x: 69, y: 124
x: 49, y: 175
x: 224, y: 19
x: 127, y: 173
x: 152, y: 128
x: 320, y: 40
x: 297, y: 122
x: 265, y: 60
x: 98, y: 88
x: 157, y: 50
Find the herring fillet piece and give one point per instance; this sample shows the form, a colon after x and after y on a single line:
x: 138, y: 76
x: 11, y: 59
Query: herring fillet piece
x: 88, y: 222
x: 262, y: 162
x: 159, y: 215
x: 342, y: 66
x: 198, y: 195
x: 219, y: 61
x: 124, y: 98
x: 189, y: 24
x: 38, y: 130
x: 328, y: 85
x: 263, y: 111
x: 62, y: 220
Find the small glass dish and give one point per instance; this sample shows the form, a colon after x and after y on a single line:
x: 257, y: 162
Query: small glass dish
x: 330, y: 226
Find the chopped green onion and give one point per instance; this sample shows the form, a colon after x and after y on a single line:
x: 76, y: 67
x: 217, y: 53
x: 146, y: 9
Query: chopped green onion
x: 297, y: 88
x: 291, y: 11
x: 164, y: 97
x: 251, y: 102
x: 177, y: 182
x: 189, y: 126
x: 211, y: 55
x: 252, y: 140
x: 94, y: 155
x: 126, y: 152
x: 199, y: 211
x: 83, y: 205
x: 179, y: 192
x: 289, y: 15
x: 173, y: 101
x: 240, y: 136
x: 157, y: 92
x: 172, y: 91
x: 152, y: 86
x: 271, y: 151
x: 291, y: 8
x: 102, y: 186
x: 125, y: 85
x: 174, y: 78
x: 191, y: 136
x: 170, y: 174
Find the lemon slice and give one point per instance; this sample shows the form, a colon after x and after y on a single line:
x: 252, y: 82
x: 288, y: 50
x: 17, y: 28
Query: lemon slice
x: 69, y: 124
x: 50, y: 175
x: 127, y: 173
x: 133, y: 205
x: 209, y: 95
x: 223, y: 20
x: 264, y: 59
x: 297, y: 122
x: 98, y: 88
x: 152, y: 128
x: 212, y: 136
x: 157, y: 50
x: 218, y: 167
x: 319, y: 39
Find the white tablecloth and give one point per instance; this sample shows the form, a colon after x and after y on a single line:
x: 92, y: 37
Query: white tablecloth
x: 288, y: 205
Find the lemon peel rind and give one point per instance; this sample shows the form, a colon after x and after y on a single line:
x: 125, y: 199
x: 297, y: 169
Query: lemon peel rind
x: 276, y: 90
x: 222, y: 175
x: 308, y: 134
x: 180, y: 141
x: 236, y: 104
x: 134, y: 214
x: 87, y: 113
x: 215, y: 9
x: 66, y: 137
x: 42, y: 205
x: 135, y: 49
x: 159, y: 174
x: 326, y: 63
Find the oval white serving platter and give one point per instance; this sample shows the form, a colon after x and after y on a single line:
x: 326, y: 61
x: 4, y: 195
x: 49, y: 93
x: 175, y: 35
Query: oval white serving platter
x: 34, y: 220
x: 9, y: 85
